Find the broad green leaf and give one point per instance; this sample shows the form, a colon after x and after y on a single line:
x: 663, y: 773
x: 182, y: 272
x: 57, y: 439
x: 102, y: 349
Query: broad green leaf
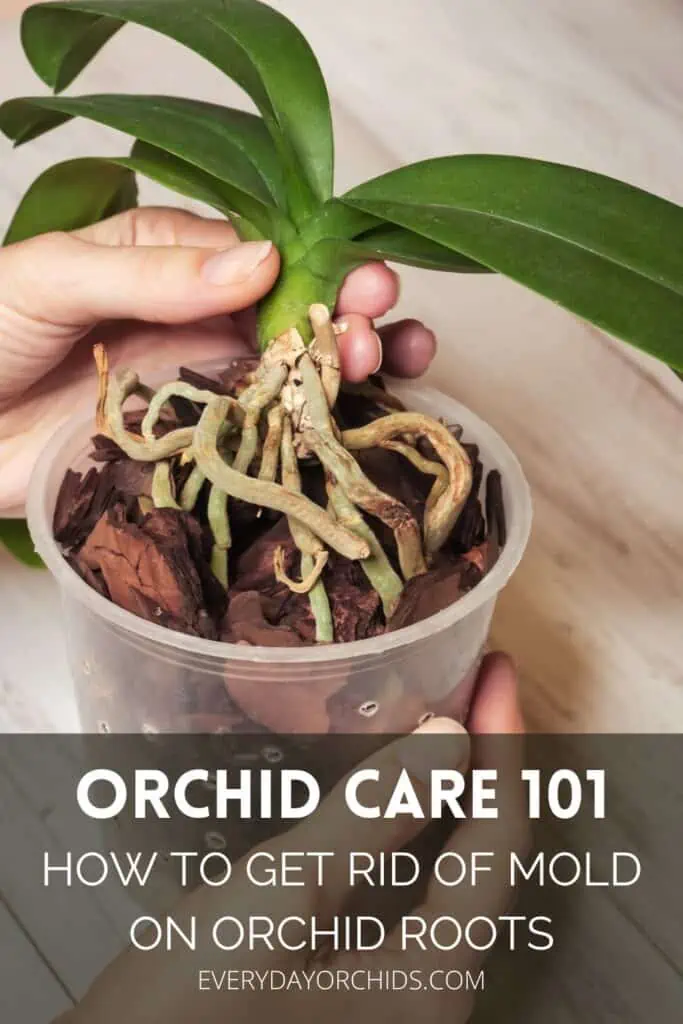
x: 250, y: 218
x: 229, y: 144
x: 253, y: 44
x: 15, y: 537
x: 72, y: 195
x: 397, y: 245
x: 79, y: 192
x: 602, y: 249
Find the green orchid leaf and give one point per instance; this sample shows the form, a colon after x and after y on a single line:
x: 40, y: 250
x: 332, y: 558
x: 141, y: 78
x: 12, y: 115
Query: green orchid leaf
x: 253, y: 44
x: 397, y: 245
x: 72, y: 195
x: 251, y: 219
x: 602, y: 249
x: 15, y: 537
x: 229, y: 144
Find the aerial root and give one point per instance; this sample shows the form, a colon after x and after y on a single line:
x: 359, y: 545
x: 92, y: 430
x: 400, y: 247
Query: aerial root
x: 445, y: 505
x: 263, y: 492
x: 313, y: 553
x: 284, y: 413
x: 377, y: 567
x: 320, y: 436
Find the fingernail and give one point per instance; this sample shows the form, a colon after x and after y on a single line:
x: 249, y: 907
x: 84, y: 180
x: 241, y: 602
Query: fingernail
x: 380, y: 356
x: 438, y: 743
x: 233, y: 266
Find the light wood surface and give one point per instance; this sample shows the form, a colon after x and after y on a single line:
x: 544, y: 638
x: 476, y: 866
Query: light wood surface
x: 593, y: 616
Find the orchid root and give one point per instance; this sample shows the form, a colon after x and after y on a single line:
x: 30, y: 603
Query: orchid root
x: 377, y: 567
x: 443, y: 512
x: 313, y: 554
x: 319, y: 435
x: 264, y: 492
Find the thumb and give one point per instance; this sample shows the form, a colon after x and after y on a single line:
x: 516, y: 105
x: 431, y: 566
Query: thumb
x: 74, y: 283
x: 438, y: 743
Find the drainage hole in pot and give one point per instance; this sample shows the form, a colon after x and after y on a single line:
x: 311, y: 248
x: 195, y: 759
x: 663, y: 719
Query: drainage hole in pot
x: 273, y: 755
x: 369, y: 709
x: 215, y: 841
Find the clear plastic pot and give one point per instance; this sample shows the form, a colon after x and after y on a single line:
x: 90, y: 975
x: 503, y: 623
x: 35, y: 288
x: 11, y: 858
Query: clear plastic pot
x: 134, y: 676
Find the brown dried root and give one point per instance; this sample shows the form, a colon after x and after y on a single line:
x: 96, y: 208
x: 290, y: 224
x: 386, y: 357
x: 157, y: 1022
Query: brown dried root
x: 313, y: 554
x: 309, y: 581
x: 441, y: 516
x: 319, y: 435
x: 264, y: 492
x: 102, y: 368
x: 270, y: 456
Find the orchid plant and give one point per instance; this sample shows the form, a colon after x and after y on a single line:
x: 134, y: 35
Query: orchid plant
x: 604, y: 250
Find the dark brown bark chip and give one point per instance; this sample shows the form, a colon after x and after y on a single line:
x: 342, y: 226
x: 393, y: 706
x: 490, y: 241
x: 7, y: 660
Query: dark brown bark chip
x: 152, y: 576
x: 495, y: 515
x: 433, y: 591
x: 254, y: 570
x: 80, y: 503
x: 246, y: 623
x: 236, y: 376
x: 200, y: 381
x: 356, y: 607
x: 172, y: 527
x: 92, y: 578
x: 73, y: 501
x: 130, y: 479
x: 106, y: 450
x: 470, y: 528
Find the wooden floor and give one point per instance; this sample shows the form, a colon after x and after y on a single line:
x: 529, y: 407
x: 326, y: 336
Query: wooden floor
x: 593, y: 616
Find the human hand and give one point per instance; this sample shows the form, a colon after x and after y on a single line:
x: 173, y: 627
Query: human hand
x: 161, y: 987
x: 150, y: 283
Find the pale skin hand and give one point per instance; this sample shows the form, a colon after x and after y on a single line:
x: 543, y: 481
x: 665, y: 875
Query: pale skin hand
x: 161, y: 988
x: 162, y: 288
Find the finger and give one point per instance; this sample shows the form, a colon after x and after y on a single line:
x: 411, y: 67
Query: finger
x: 360, y: 348
x: 73, y: 283
x: 440, y: 742
x: 161, y: 225
x: 371, y: 290
x: 497, y: 729
x: 497, y: 745
x: 409, y: 348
